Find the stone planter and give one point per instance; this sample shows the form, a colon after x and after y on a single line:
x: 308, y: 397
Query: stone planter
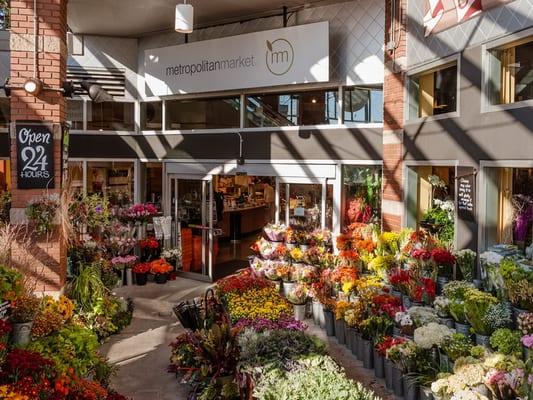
x: 299, y: 312
x: 463, y: 328
x: 388, y: 374
x: 340, y: 331
x: 368, y: 354
x: 397, y: 381
x: 287, y: 288
x: 22, y: 333
x: 141, y: 279
x: 482, y: 340
x: 329, y: 320
x: 425, y: 393
x: 379, y: 365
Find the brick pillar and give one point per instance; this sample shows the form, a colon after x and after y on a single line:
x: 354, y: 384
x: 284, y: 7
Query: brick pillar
x: 393, y: 117
x: 49, y: 108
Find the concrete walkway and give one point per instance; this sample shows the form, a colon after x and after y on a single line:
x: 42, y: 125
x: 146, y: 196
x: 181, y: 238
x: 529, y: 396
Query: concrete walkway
x: 142, y: 353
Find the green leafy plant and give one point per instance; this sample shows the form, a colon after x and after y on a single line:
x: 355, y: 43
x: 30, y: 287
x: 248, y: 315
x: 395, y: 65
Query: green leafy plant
x: 92, y: 211
x: 10, y: 283
x: 476, y: 306
x: 507, y: 342
x: 87, y: 289
x: 42, y: 212
x: 24, y: 308
x: 376, y: 327
x: 457, y: 345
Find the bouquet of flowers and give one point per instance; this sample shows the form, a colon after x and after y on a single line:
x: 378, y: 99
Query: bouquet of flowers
x: 456, y: 345
x: 423, y: 315
x: 422, y: 291
x: 404, y: 322
x: 305, y: 274
x: 140, y: 213
x: 173, y: 254
x: 476, y: 306
x: 400, y: 280
x: 321, y: 237
x: 466, y: 261
x: 160, y: 267
x: 266, y: 249
x: 386, y: 304
x: 298, y: 295
x: 275, y: 232
x: 442, y: 306
x: 344, y: 278
x: 122, y: 262
x: 297, y: 255
x: 444, y: 260
x: 387, y: 343
x: 141, y: 268
x: 150, y: 243
x: 285, y: 272
x: 431, y: 335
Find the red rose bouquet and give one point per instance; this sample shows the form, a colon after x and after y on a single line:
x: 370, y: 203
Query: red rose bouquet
x: 142, y: 268
x: 400, y: 279
x: 149, y: 243
x: 386, y: 343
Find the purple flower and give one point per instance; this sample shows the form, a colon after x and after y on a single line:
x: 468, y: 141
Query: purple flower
x: 527, y: 341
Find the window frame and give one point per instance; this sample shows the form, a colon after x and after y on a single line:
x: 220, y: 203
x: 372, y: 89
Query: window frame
x: 511, y: 40
x: 426, y: 69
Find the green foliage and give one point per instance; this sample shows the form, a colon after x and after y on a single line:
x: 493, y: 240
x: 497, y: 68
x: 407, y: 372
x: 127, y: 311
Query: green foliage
x: 375, y: 327
x: 507, y: 342
x: 71, y: 347
x: 457, y: 345
x: 10, y: 283
x: 87, y: 289
x: 92, y: 211
x: 5, y: 203
x: 316, y: 377
x: 444, y: 225
x: 477, y: 304
x: 42, y: 212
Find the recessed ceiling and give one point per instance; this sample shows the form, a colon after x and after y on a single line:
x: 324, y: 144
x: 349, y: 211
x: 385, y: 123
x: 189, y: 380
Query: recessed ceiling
x: 135, y: 18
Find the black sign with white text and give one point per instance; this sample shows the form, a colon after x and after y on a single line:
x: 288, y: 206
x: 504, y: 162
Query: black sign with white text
x: 35, y: 156
x: 466, y: 193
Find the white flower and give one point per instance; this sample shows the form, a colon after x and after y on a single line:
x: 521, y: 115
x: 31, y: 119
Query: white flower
x: 432, y: 334
x: 491, y: 257
x: 403, y: 319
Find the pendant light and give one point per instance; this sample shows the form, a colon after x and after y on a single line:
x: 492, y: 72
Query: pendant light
x: 184, y: 18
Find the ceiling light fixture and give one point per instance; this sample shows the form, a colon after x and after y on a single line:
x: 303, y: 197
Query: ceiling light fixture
x: 184, y: 18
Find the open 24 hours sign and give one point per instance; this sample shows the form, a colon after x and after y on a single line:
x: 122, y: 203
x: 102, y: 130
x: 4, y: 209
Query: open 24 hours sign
x: 35, y: 156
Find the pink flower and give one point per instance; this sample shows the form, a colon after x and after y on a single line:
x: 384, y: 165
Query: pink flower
x: 527, y: 341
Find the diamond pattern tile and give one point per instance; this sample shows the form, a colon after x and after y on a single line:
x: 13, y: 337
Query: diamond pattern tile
x: 492, y: 24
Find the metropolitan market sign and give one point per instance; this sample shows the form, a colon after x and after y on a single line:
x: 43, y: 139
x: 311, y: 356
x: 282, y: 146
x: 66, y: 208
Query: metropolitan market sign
x: 284, y: 56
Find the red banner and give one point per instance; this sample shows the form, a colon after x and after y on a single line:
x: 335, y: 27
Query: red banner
x: 443, y: 14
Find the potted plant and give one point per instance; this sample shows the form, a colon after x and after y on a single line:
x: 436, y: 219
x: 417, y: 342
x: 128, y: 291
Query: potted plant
x: 141, y: 271
x: 452, y: 348
x: 173, y: 256
x: 286, y: 271
x: 42, y: 212
x: 400, y: 281
x: 455, y: 292
x: 160, y: 268
x: 525, y: 326
x: 442, y: 306
x: 149, y: 248
x: 298, y: 298
x: 476, y: 306
x: 372, y: 330
x: 444, y: 261
x: 507, y: 342
x: 404, y: 323
x: 123, y: 265
x: 352, y: 318
x: 383, y: 350
x: 23, y: 311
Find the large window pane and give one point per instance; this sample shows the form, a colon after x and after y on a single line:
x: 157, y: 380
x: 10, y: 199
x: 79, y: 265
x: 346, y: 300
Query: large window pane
x: 511, y: 73
x: 75, y: 114
x: 152, y: 183
x: 151, y: 116
x: 75, y: 175
x: 112, y: 179
x: 203, y: 114
x: 363, y: 105
x: 361, y: 194
x: 433, y: 92
x: 292, y: 109
x: 110, y: 116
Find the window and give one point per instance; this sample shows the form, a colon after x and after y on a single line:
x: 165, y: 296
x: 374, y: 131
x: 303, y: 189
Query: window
x: 75, y: 114
x: 511, y: 73
x: 151, y: 116
x: 361, y: 192
x: 110, y: 116
x: 433, y: 92
x: 363, y: 105
x: 203, y: 114
x: 111, y: 179
x: 292, y: 109
x: 151, y: 177
x: 75, y: 176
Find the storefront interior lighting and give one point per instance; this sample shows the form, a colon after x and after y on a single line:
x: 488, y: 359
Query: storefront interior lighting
x: 184, y: 18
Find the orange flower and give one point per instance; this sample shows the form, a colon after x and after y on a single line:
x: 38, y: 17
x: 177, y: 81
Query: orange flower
x: 160, y: 267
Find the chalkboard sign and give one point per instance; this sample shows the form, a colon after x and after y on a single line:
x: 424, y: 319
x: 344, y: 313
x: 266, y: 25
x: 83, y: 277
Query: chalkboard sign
x: 466, y: 193
x: 35, y: 156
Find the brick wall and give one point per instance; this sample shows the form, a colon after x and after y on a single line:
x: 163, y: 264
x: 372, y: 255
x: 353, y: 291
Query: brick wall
x: 49, y: 254
x: 393, y: 117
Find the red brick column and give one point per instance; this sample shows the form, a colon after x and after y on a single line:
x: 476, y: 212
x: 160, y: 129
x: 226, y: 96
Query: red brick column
x: 49, y: 107
x: 393, y: 117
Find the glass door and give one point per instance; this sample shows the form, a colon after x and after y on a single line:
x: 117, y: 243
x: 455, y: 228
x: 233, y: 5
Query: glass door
x: 191, y: 208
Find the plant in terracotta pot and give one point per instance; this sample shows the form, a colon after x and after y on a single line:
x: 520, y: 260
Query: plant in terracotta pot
x: 141, y: 271
x: 160, y: 268
x: 23, y: 311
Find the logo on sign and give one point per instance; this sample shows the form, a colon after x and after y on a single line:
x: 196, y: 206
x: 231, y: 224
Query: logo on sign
x: 279, y: 56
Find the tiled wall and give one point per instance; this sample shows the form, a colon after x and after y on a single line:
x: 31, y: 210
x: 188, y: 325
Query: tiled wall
x: 493, y: 23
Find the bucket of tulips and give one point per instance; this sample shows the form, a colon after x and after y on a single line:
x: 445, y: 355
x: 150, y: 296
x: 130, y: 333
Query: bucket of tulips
x: 141, y: 273
x: 160, y: 268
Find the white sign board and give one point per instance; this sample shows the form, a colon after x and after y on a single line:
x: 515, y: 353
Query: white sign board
x: 298, y: 54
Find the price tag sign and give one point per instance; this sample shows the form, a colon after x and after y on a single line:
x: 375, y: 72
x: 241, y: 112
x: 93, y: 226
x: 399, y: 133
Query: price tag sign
x: 35, y: 156
x: 4, y: 308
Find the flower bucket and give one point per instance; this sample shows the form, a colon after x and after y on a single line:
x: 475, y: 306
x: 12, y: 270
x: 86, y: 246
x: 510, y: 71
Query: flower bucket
x: 141, y: 279
x: 352, y: 332
x: 406, y: 301
x: 339, y: 331
x: 441, y: 281
x: 360, y: 347
x: 368, y: 354
x: 388, y: 374
x: 379, y: 365
x: 444, y: 363
x: 397, y: 381
x: 525, y: 353
x: 329, y: 320
x: 120, y: 282
x: 321, y: 317
x: 478, y: 283
x: 22, y: 333
x: 425, y: 393
x: 516, y: 312
x: 299, y: 312
x: 141, y: 231
x: 410, y: 388
x: 397, y: 294
x: 396, y: 332
x: 348, y: 336
x: 129, y: 277
x: 416, y: 304
x: 161, y: 279
x: 277, y: 284
x: 449, y: 322
x: 287, y: 288
x: 462, y: 328
x: 290, y: 246
x: 482, y: 340
x: 316, y: 309
x: 304, y: 247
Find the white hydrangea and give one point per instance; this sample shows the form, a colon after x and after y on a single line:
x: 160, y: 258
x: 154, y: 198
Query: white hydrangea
x: 432, y: 334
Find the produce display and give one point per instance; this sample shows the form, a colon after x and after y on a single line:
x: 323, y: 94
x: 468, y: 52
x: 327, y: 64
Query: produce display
x: 403, y: 303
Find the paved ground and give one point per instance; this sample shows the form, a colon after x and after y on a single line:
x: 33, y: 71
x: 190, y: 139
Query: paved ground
x: 141, y: 350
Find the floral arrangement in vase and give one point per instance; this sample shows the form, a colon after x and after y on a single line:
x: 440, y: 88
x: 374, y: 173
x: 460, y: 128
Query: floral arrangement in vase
x: 142, y: 268
x: 173, y: 254
x: 150, y: 243
x: 298, y: 295
x: 275, y: 232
